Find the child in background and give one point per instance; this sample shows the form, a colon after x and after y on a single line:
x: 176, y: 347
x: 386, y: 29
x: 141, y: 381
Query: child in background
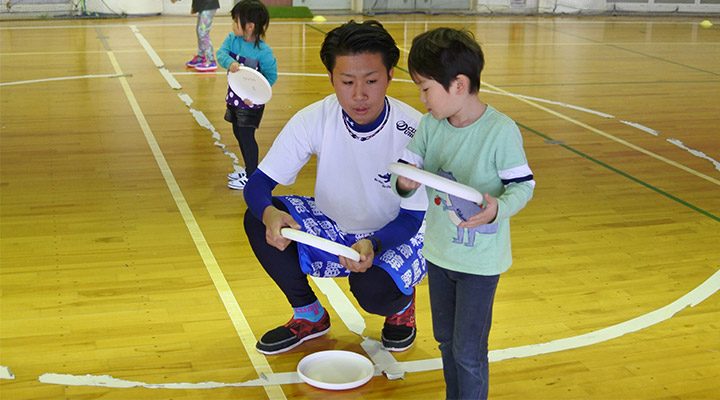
x: 467, y: 245
x: 244, y: 46
x: 204, y: 60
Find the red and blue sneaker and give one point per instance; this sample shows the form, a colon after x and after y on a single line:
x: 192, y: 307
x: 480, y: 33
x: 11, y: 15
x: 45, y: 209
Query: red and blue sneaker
x: 292, y: 334
x: 399, y: 332
x: 206, y: 66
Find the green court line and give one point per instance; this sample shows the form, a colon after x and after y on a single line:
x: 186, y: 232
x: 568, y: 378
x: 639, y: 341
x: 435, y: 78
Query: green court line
x: 623, y: 173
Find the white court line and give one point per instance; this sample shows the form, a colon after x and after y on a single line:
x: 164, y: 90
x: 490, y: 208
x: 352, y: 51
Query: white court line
x: 62, y: 78
x: 199, y: 116
x: 696, y: 153
x: 155, y: 58
x: 694, y: 297
x: 5, y: 373
x: 641, y: 127
x: 203, y: 121
x: 148, y: 49
x: 237, y: 317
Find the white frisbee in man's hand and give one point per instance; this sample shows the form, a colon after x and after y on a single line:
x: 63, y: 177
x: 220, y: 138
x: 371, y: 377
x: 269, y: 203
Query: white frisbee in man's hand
x: 320, y: 243
x: 250, y: 84
x: 335, y: 370
x: 437, y: 182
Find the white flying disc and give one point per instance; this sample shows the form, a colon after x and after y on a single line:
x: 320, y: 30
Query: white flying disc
x: 250, y: 84
x: 335, y: 369
x: 437, y: 182
x: 321, y: 243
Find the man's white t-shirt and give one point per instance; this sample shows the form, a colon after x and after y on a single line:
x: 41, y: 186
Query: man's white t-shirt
x: 352, y: 185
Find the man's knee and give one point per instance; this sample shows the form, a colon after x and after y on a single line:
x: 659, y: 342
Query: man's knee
x: 374, y: 290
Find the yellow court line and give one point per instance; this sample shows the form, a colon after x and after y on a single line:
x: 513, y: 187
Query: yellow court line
x: 607, y: 135
x: 241, y: 325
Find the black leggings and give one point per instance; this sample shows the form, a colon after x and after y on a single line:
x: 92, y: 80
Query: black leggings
x: 245, y: 136
x: 374, y: 289
x: 244, y: 123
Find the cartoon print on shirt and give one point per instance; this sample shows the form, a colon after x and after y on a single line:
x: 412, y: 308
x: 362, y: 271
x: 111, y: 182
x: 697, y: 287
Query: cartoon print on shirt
x: 460, y: 210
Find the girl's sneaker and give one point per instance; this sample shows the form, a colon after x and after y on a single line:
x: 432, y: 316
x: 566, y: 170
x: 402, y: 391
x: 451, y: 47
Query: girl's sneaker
x: 235, y: 175
x: 197, y: 60
x: 206, y: 66
x: 238, y: 184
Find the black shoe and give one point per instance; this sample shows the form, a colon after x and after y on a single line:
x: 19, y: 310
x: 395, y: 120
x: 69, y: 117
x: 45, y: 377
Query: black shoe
x: 398, y: 333
x: 292, y: 334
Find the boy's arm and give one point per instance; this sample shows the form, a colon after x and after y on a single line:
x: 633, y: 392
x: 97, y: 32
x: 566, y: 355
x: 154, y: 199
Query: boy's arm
x: 518, y: 192
x: 517, y: 178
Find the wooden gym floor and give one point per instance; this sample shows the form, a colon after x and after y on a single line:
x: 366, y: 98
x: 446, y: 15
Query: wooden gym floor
x: 125, y: 269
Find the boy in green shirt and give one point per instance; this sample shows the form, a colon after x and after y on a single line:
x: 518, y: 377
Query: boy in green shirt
x: 467, y: 245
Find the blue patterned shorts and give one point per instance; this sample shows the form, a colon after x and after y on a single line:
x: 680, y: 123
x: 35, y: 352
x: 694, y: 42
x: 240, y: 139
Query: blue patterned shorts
x: 404, y: 263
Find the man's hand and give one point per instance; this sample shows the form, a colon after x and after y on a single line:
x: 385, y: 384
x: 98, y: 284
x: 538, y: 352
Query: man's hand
x: 365, y: 248
x: 275, y: 220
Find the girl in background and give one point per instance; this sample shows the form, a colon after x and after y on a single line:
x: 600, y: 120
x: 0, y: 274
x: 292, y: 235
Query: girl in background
x: 204, y: 60
x: 245, y: 46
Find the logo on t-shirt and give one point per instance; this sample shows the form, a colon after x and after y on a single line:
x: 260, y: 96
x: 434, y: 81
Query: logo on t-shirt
x: 383, y: 180
x: 406, y: 129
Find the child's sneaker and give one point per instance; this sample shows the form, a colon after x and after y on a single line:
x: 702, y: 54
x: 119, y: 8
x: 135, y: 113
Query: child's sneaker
x: 236, y: 175
x: 197, y: 60
x: 206, y: 66
x: 292, y: 334
x: 398, y: 333
x: 238, y: 184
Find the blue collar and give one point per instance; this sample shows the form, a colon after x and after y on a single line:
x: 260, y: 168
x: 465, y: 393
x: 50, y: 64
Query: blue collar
x: 360, y: 132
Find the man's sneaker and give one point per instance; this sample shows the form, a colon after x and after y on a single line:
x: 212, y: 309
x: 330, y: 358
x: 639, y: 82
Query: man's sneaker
x: 292, y: 334
x: 398, y: 333
x: 197, y: 60
x: 206, y: 66
x: 238, y: 184
x: 235, y: 175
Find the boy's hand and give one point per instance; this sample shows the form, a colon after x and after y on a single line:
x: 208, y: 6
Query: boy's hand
x: 486, y: 215
x: 406, y: 184
x: 248, y: 102
x: 234, y: 67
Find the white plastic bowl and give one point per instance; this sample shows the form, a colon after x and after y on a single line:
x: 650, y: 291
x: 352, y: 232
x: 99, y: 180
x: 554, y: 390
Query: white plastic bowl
x: 335, y: 370
x: 250, y: 84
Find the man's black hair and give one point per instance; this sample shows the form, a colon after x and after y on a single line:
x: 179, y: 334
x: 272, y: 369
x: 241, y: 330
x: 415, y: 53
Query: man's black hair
x: 356, y: 38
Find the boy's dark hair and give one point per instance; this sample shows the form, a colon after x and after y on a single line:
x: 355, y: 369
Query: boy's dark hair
x: 356, y: 38
x: 252, y: 11
x: 444, y: 53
